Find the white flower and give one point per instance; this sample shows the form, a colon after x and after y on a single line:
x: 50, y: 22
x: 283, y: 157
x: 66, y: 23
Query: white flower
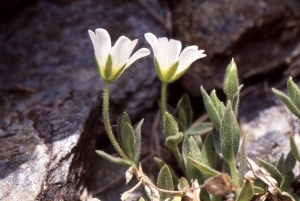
x: 112, y: 61
x: 170, y: 64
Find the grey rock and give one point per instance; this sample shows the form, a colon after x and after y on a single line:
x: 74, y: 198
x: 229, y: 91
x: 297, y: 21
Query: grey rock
x: 51, y: 94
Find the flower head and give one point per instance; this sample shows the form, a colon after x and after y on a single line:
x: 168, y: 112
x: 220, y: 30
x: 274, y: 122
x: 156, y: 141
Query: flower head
x: 113, y: 60
x: 170, y: 64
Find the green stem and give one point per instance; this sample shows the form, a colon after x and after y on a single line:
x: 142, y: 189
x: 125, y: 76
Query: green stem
x: 233, y: 172
x: 163, y: 105
x: 107, y: 123
x: 178, y: 157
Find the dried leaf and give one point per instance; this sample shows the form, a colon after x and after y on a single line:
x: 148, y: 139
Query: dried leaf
x: 129, y: 174
x: 262, y: 174
x: 152, y: 193
x: 220, y: 185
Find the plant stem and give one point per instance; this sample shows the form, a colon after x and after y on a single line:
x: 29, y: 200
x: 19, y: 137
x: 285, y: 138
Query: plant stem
x: 233, y: 172
x: 179, y: 159
x: 163, y: 105
x: 107, y: 123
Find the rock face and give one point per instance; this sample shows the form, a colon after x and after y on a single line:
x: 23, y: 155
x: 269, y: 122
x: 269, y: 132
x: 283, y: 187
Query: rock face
x: 259, y: 34
x: 50, y: 93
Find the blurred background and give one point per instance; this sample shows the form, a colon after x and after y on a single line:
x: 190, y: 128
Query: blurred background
x: 50, y: 92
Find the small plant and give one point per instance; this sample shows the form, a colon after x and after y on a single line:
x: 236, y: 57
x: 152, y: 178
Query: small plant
x: 210, y: 167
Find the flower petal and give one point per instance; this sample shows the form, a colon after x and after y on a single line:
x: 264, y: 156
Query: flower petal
x: 162, y: 40
x: 178, y: 44
x: 166, y: 56
x: 138, y: 54
x: 152, y: 40
x: 102, y: 46
x: 120, y: 52
x: 188, y: 56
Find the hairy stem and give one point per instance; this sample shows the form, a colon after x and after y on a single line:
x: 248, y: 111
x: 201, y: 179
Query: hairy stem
x: 107, y: 123
x: 178, y: 157
x: 163, y: 104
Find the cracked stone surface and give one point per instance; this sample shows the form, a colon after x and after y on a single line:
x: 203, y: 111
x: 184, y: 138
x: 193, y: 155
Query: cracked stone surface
x: 50, y: 92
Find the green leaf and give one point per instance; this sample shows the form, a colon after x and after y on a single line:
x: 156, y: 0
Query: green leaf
x: 287, y: 101
x: 173, y: 141
x: 125, y: 119
x: 294, y: 92
x: 193, y: 172
x: 272, y: 170
x: 181, y: 119
x: 290, y: 161
x: 185, y: 149
x: 211, y: 110
x: 186, y: 112
x: 183, y: 184
x: 204, y: 168
x: 294, y: 148
x: 197, y: 138
x: 258, y: 190
x: 199, y: 129
x: 171, y: 126
x: 165, y: 181
x: 128, y: 136
x: 108, y: 68
x: 243, y: 159
x: 161, y: 163
x: 217, y: 141
x: 230, y: 134
x: 246, y: 193
x: 236, y: 101
x: 208, y: 152
x: 288, y: 179
x: 280, y: 165
x: 272, y: 160
x: 217, y: 103
x: 137, y: 140
x: 116, y: 160
x: 231, y: 82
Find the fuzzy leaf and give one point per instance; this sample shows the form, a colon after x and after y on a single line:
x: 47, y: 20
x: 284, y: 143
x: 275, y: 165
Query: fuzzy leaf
x: 287, y: 101
x: 230, y: 134
x: 199, y: 129
x: 193, y: 172
x: 236, y: 101
x: 161, y: 163
x: 194, y: 149
x: 217, y: 141
x: 280, y: 165
x: 137, y: 140
x: 181, y: 119
x: 125, y: 119
x: 204, y: 168
x: 288, y: 179
x: 231, y: 82
x: 183, y: 184
x: 294, y: 148
x: 185, y: 149
x: 173, y: 141
x: 243, y: 159
x: 171, y: 126
x: 116, y: 160
x: 290, y: 161
x: 246, y: 193
x: 211, y: 110
x: 128, y: 136
x: 185, y: 105
x: 294, y: 92
x: 208, y: 152
x: 165, y: 181
x: 272, y: 160
x: 272, y: 170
